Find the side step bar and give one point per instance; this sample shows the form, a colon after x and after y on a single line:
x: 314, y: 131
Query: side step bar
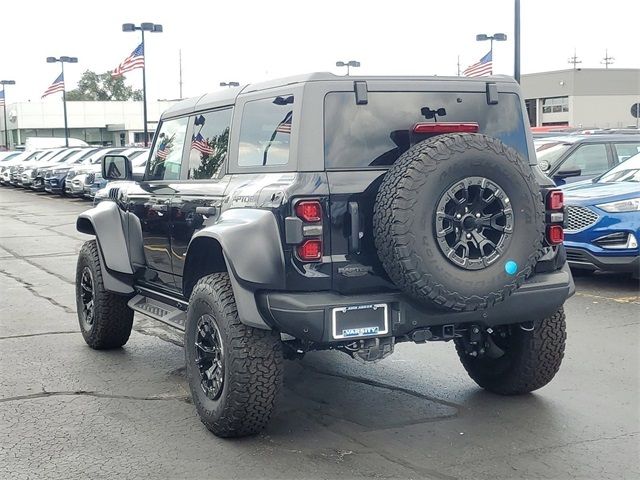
x: 174, y: 315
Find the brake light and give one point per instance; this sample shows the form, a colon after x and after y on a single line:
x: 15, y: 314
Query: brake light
x: 309, y: 211
x: 310, y: 250
x: 555, y: 234
x: 555, y: 200
x: 446, y: 127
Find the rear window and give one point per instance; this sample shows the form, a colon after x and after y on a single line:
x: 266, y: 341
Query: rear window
x: 376, y: 134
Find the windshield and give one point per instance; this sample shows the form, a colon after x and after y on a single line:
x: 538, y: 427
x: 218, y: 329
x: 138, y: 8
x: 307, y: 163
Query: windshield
x: 627, y: 171
x: 551, y: 152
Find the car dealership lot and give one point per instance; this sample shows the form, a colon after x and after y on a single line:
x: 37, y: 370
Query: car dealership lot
x: 68, y: 411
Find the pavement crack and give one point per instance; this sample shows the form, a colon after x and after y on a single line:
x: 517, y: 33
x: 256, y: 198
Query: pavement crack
x: 86, y: 393
x: 38, y: 266
x: 34, y: 292
x: 386, y: 386
x: 27, y: 335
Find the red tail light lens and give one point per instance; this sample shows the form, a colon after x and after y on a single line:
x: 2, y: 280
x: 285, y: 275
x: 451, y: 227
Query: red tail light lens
x: 309, y: 211
x: 446, y: 127
x: 555, y: 200
x: 555, y: 234
x: 310, y: 250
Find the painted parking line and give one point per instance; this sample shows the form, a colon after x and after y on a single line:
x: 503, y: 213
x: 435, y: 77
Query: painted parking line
x: 635, y: 299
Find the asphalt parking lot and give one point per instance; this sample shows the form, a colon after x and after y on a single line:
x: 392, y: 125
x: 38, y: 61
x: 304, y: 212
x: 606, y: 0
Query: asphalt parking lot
x: 67, y: 411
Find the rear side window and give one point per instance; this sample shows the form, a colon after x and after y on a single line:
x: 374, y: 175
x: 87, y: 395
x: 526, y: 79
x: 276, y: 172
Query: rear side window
x: 265, y: 133
x: 209, y: 143
x: 376, y: 134
x: 589, y: 159
x: 166, y: 158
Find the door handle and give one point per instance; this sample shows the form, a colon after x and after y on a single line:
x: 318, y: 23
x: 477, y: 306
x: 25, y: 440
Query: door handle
x: 158, y: 207
x: 208, y: 211
x: 354, y: 241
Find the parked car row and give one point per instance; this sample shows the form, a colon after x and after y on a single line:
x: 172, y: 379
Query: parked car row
x: 72, y: 171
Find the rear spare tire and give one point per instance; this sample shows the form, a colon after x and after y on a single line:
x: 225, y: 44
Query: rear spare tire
x: 459, y: 221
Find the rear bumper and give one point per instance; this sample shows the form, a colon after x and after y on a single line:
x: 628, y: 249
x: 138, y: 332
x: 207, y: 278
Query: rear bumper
x: 308, y: 316
x: 584, y: 259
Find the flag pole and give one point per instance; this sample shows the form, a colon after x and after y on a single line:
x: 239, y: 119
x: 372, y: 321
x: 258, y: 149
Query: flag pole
x: 64, y: 108
x: 144, y: 92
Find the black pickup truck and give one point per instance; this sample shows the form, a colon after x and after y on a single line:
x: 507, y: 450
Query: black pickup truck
x: 324, y: 212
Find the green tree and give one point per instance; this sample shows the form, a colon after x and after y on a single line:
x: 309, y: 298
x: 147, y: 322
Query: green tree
x: 209, y: 163
x: 102, y: 87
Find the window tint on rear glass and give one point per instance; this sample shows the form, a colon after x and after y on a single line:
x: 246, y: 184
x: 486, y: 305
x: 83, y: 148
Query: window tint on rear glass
x: 265, y: 132
x: 209, y: 141
x: 376, y: 134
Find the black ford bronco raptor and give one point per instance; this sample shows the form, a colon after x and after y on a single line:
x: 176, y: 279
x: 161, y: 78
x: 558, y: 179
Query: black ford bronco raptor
x: 323, y: 212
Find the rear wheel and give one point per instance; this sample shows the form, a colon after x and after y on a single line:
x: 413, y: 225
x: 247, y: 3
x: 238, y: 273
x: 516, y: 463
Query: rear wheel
x: 105, y: 319
x: 518, y: 358
x: 234, y: 371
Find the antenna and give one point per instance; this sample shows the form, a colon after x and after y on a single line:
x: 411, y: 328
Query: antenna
x: 607, y: 60
x: 574, y: 60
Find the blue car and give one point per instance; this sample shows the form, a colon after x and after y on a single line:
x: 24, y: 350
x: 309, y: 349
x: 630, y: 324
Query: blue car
x: 602, y: 223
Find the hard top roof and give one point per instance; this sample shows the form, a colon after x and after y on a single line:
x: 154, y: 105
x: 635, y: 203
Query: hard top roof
x: 227, y: 96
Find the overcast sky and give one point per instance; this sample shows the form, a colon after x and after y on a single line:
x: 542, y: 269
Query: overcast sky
x: 254, y: 40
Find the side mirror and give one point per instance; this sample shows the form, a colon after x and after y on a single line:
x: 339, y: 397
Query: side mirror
x: 116, y: 167
x: 568, y: 173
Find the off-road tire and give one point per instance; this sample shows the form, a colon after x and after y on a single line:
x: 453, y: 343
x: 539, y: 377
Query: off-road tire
x: 531, y: 361
x: 112, y: 318
x: 252, y: 360
x: 404, y: 220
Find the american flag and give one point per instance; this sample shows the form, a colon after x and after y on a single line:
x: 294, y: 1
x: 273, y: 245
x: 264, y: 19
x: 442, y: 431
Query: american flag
x: 133, y: 61
x: 56, y: 86
x: 285, y: 125
x: 198, y: 142
x: 2, y: 99
x: 483, y: 67
x: 163, y: 151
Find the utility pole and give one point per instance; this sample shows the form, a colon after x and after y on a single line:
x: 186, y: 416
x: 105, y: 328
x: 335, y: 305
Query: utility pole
x: 574, y: 60
x: 180, y: 60
x: 458, y: 65
x: 607, y: 60
x: 4, y: 108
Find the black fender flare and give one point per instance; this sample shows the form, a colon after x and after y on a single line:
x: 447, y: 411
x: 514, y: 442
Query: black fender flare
x: 252, y: 249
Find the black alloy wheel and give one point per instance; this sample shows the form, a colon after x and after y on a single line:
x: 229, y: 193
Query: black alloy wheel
x: 474, y: 223
x: 209, y: 357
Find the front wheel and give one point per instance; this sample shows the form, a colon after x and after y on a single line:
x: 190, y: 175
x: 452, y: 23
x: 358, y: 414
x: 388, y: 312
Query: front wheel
x: 105, y: 319
x: 234, y: 371
x: 521, y: 358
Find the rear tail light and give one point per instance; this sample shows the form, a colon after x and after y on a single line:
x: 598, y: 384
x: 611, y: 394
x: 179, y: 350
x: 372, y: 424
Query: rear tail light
x: 555, y: 200
x: 309, y: 211
x: 445, y: 127
x: 555, y: 234
x: 310, y: 250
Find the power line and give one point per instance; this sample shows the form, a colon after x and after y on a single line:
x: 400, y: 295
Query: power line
x: 574, y: 60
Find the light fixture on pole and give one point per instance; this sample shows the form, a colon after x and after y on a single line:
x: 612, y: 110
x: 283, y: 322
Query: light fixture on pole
x: 229, y: 84
x: 62, y: 61
x: 498, y: 37
x: 143, y: 27
x: 350, y: 63
x: 4, y: 107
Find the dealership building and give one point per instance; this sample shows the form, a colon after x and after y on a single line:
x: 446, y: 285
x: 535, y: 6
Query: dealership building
x: 110, y: 123
x: 582, y: 97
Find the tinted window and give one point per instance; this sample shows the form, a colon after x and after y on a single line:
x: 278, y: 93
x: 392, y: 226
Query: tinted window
x: 166, y: 157
x: 265, y: 132
x: 626, y: 150
x: 377, y: 133
x: 590, y: 159
x: 209, y: 143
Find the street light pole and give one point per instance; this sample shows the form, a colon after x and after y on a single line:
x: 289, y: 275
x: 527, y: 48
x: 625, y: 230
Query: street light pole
x: 349, y: 64
x: 143, y: 27
x: 62, y: 61
x: 498, y: 37
x: 516, y: 42
x: 4, y: 107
